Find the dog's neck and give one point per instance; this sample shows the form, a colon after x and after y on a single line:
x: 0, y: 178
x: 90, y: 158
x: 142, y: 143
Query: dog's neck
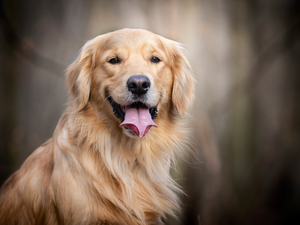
x: 128, y: 164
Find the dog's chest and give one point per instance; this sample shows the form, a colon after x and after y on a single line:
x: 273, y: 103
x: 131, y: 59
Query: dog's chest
x: 106, y: 201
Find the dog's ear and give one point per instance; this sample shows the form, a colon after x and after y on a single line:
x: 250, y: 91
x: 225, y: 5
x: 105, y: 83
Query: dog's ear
x: 79, y: 76
x: 183, y: 80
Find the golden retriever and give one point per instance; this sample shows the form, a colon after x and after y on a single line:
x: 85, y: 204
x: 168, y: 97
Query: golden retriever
x: 109, y: 159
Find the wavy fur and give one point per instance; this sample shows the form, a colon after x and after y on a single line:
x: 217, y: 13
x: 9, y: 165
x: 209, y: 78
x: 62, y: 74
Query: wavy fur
x: 91, y: 172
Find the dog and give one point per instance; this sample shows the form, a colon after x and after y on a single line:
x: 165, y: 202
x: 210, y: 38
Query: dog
x: 109, y: 158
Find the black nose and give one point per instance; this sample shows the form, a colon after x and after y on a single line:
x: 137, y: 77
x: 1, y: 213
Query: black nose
x: 138, y: 84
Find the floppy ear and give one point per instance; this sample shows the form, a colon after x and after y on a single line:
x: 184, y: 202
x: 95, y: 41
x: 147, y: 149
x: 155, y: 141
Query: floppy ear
x: 183, y: 80
x: 79, y: 76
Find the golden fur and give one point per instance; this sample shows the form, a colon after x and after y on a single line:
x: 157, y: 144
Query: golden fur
x: 92, y: 171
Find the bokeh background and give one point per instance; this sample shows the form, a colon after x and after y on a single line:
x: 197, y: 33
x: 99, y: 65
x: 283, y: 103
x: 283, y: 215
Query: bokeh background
x: 245, y: 121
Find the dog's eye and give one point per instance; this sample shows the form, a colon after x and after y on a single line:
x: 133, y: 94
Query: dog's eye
x: 155, y: 59
x: 114, y: 60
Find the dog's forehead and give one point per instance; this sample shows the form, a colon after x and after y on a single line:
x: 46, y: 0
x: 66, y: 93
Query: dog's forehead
x: 131, y: 39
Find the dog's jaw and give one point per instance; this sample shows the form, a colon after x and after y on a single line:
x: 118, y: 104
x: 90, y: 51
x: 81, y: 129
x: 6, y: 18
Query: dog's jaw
x: 137, y: 118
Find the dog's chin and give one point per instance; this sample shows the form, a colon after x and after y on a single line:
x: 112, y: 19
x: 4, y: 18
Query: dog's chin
x: 137, y: 118
x: 130, y: 133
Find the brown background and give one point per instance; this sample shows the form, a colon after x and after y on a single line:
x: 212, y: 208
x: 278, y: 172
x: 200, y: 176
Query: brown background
x: 245, y: 120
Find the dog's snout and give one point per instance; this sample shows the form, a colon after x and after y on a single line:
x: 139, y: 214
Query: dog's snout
x: 138, y: 84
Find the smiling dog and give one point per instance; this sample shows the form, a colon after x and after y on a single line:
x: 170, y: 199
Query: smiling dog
x: 109, y: 159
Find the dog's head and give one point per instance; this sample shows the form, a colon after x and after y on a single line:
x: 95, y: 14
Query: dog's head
x: 133, y: 77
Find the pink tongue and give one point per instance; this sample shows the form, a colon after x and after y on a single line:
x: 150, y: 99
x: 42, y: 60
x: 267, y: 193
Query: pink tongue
x: 138, y: 120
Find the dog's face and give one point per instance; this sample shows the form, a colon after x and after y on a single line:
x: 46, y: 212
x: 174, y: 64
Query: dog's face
x: 138, y: 73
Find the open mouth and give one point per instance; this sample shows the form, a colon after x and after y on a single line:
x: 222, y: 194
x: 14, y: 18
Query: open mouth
x: 137, y: 117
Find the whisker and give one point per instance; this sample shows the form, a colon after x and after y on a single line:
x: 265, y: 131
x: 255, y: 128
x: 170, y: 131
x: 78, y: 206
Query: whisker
x: 105, y: 100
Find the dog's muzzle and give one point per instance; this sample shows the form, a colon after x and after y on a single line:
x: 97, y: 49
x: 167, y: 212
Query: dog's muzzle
x: 136, y: 116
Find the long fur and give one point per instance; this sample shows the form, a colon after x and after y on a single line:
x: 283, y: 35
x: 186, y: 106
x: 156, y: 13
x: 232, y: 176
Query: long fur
x: 90, y: 172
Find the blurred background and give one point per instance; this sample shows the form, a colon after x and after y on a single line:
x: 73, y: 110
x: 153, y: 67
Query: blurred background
x: 246, y: 118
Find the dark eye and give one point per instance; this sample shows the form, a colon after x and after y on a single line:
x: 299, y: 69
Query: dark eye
x: 114, y: 60
x: 155, y: 59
